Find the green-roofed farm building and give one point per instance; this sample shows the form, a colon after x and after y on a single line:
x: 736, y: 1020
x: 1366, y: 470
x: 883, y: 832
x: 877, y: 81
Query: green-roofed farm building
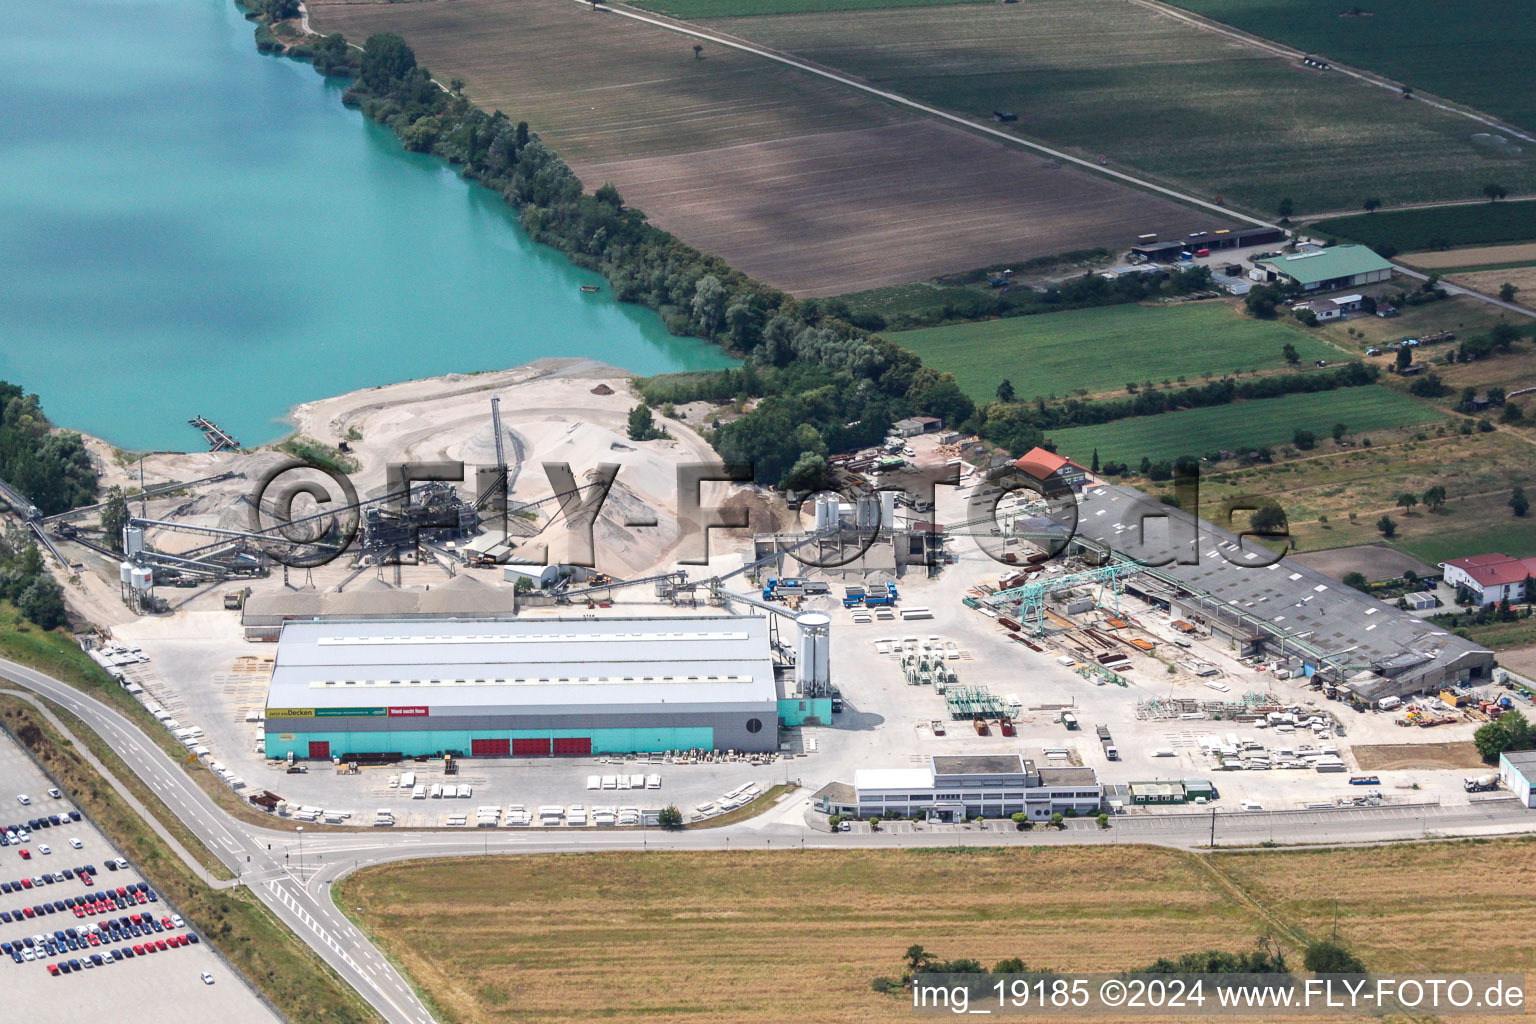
x: 1330, y: 269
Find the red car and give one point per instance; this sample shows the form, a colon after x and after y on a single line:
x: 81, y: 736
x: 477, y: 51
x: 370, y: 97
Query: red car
x: 26, y: 854
x: 138, y: 950
x: 53, y: 969
x: 160, y: 945
x: 165, y: 923
x: 26, y: 883
x: 87, y: 879
x: 92, y: 939
x: 80, y: 912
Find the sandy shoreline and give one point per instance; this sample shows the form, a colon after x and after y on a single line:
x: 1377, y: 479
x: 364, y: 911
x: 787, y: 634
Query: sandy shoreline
x: 555, y: 410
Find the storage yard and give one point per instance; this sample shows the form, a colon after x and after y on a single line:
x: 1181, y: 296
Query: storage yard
x: 1106, y: 687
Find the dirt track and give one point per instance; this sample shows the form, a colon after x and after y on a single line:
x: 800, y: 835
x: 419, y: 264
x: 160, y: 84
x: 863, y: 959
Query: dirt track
x: 803, y: 183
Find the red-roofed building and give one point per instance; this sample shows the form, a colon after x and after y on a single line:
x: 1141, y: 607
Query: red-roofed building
x: 1492, y: 577
x: 1043, y: 466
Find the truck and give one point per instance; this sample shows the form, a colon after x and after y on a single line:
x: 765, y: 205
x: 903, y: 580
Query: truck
x: 1103, y: 732
x: 1480, y: 783
x: 853, y: 596
x: 1069, y: 720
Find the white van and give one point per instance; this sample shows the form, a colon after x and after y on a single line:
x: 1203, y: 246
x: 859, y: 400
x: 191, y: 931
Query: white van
x: 1251, y: 805
x: 1388, y: 703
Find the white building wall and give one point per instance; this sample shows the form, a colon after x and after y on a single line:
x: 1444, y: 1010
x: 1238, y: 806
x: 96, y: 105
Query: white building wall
x: 1517, y: 782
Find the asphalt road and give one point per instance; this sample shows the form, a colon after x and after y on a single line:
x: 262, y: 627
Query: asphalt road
x: 292, y: 875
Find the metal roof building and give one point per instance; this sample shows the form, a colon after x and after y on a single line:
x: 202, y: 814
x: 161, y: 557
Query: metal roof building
x: 1325, y: 270
x: 529, y: 688
x: 1208, y: 575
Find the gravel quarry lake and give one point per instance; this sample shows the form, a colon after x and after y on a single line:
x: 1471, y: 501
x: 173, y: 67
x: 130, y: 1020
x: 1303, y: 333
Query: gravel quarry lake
x: 190, y: 227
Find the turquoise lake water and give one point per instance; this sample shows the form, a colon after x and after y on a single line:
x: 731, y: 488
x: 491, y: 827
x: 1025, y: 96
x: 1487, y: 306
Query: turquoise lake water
x: 189, y: 227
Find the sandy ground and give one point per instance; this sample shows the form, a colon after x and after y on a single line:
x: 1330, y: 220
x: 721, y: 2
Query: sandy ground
x: 1478, y: 257
x: 550, y: 414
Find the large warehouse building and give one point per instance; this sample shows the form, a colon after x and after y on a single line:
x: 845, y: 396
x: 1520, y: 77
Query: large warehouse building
x: 530, y: 688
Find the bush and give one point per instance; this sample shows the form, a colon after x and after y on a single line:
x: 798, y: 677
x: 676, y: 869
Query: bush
x: 1324, y: 957
x: 669, y: 817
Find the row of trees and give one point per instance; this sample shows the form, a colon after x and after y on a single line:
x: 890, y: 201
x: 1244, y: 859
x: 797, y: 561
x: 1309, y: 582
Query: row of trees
x: 1014, y: 425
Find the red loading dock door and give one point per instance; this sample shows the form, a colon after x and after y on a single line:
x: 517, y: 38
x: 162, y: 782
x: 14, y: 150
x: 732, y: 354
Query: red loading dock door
x: 489, y: 748
x: 319, y: 750
x: 573, y: 745
x: 538, y: 747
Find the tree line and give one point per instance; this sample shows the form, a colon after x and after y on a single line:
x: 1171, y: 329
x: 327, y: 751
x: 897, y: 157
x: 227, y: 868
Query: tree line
x: 51, y: 468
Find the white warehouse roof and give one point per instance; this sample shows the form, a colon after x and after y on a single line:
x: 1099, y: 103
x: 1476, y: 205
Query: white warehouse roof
x: 679, y: 663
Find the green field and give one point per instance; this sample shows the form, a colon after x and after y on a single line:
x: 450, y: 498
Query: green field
x: 1109, y: 346
x: 1160, y: 96
x: 750, y: 8
x: 1476, y: 52
x: 1268, y: 421
x: 1441, y: 228
x: 1505, y: 534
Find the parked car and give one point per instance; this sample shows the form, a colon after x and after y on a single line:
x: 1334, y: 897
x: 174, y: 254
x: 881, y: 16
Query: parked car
x: 74, y: 842
x: 207, y: 978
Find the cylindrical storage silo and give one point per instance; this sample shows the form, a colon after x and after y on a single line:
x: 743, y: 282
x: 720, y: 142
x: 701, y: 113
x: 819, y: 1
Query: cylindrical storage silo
x: 813, y: 661
x: 133, y: 540
x: 142, y: 577
x: 125, y: 572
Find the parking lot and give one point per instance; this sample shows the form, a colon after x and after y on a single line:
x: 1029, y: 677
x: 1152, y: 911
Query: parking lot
x: 166, y: 985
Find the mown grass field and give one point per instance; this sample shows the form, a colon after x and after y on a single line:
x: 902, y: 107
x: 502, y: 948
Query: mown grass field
x: 1478, y: 472
x: 1441, y: 227
x: 758, y: 937
x: 1490, y: 281
x: 1482, y: 257
x: 1475, y: 52
x: 749, y: 8
x: 1150, y: 92
x: 1268, y: 421
x: 1103, y: 349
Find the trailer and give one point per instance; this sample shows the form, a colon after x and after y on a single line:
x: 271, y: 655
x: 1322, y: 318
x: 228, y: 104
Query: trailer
x: 1069, y: 720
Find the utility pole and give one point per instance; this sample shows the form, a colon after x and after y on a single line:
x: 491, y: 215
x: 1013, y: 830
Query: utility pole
x: 1213, y: 828
x: 301, y: 854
